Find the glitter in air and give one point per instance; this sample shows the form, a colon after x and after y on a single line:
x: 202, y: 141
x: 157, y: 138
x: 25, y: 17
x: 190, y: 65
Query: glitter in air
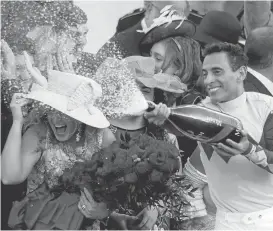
x: 119, y: 90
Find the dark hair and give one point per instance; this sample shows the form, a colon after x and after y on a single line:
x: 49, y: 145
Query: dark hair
x: 259, y: 47
x: 235, y: 53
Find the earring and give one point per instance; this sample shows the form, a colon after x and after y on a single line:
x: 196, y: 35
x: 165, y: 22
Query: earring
x: 78, y: 135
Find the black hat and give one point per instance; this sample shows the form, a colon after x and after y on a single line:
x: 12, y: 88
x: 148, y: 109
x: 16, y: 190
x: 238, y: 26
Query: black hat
x: 130, y: 20
x: 218, y: 26
x: 164, y: 28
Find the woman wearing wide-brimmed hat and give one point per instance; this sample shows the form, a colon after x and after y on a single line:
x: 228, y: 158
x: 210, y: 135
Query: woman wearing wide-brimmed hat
x: 124, y: 102
x: 169, y: 41
x: 65, y: 128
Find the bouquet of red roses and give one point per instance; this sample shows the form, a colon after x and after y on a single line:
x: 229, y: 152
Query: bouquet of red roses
x: 128, y: 175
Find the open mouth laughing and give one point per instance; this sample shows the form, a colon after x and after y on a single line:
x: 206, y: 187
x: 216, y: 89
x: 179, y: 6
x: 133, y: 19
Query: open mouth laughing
x: 60, y: 129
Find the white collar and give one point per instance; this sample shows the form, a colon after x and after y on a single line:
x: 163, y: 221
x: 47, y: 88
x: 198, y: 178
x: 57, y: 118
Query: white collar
x: 143, y: 24
x: 265, y: 81
x: 233, y: 104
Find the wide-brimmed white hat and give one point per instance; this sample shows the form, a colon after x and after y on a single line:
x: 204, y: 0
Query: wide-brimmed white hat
x: 73, y: 95
x: 120, y: 93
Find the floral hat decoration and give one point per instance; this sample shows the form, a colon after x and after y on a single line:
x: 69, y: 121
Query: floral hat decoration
x: 120, y: 93
x: 71, y: 94
x: 170, y: 23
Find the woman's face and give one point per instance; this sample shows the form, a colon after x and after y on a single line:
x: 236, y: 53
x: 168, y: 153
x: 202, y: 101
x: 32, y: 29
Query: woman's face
x: 63, y: 126
x: 47, y: 47
x: 146, y: 91
x: 159, y: 54
x: 79, y: 34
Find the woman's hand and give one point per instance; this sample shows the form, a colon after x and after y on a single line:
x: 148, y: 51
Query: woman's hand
x: 8, y: 70
x: 148, y: 218
x: 34, y: 72
x: 123, y: 220
x: 64, y: 62
x: 17, y: 102
x: 90, y: 208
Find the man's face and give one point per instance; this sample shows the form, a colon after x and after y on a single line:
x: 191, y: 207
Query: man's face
x: 221, y: 82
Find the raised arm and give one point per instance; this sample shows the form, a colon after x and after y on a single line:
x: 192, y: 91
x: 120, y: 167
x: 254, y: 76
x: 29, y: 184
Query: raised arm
x: 20, y: 153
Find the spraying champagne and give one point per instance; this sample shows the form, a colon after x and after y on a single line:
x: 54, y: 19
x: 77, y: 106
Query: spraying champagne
x: 203, y: 124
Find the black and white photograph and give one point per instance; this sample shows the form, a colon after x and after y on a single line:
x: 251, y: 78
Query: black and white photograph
x: 136, y: 115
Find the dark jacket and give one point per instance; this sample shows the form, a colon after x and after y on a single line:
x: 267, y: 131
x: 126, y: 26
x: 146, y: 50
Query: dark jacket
x: 251, y: 83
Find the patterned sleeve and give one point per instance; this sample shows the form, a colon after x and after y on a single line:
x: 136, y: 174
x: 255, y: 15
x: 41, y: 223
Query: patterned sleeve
x: 262, y: 154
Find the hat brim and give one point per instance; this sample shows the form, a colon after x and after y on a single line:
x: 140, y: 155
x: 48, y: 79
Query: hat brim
x: 147, y: 82
x: 187, y: 28
x: 171, y: 90
x: 93, y: 117
x: 204, y: 38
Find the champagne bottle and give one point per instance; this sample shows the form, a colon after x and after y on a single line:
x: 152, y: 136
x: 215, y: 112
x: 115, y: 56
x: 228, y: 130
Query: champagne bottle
x: 204, y: 124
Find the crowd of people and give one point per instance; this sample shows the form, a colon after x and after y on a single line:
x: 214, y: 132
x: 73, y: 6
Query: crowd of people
x: 60, y: 105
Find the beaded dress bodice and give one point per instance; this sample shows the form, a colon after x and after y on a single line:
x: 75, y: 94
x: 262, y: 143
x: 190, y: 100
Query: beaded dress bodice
x: 56, y: 157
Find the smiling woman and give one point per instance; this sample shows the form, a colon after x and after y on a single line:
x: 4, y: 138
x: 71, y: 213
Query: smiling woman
x: 69, y: 129
x: 63, y: 126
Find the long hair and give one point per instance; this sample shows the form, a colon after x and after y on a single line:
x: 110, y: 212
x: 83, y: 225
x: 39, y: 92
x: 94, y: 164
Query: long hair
x: 186, y: 57
x: 184, y: 53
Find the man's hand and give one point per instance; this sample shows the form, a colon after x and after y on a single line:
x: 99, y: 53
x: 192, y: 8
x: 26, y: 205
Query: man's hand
x: 233, y: 148
x: 158, y: 115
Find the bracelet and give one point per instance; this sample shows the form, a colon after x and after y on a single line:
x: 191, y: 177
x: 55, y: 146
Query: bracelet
x: 106, y: 220
x: 257, y: 157
x: 251, y: 148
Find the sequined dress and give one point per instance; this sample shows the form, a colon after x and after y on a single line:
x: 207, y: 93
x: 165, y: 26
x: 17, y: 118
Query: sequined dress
x: 41, y: 209
x: 57, y: 157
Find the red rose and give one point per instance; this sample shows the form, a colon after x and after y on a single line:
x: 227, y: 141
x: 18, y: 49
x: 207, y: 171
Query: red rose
x: 156, y: 176
x: 131, y: 178
x: 143, y: 167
